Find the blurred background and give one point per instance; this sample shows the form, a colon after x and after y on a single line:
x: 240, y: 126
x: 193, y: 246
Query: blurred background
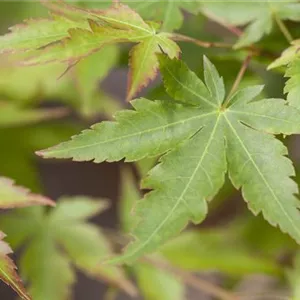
x: 41, y: 109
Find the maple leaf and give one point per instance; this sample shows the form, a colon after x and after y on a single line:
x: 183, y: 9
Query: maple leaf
x: 117, y: 24
x: 193, y: 136
x: 259, y: 15
x: 290, y: 58
x: 45, y: 234
x: 8, y: 270
x: 14, y: 196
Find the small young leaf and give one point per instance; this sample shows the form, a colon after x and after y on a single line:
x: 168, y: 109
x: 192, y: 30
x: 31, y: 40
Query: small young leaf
x: 8, y: 270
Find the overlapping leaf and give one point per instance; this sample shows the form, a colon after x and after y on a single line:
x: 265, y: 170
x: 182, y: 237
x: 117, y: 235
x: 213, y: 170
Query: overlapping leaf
x: 260, y: 15
x: 35, y: 33
x: 79, y: 88
x: 156, y: 284
x: 192, y: 251
x: 14, y: 196
x: 198, y: 157
x: 153, y: 283
x: 116, y: 24
x: 87, y: 74
x: 51, y: 274
x: 290, y: 58
x: 199, y: 250
x: 168, y: 12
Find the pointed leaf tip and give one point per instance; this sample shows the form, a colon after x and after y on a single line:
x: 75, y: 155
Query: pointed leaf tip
x: 12, y: 196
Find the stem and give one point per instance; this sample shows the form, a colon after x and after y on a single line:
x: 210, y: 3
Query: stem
x: 111, y: 294
x: 238, y: 78
x: 184, y: 38
x: 283, y: 28
x: 233, y: 29
x: 193, y: 281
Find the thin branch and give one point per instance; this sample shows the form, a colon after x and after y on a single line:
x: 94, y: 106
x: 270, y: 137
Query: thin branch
x: 233, y: 29
x: 204, y: 44
x: 193, y: 281
x: 239, y: 78
x: 253, y: 49
x: 283, y: 28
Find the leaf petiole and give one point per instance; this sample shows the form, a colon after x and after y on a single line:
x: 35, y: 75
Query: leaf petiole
x: 239, y: 77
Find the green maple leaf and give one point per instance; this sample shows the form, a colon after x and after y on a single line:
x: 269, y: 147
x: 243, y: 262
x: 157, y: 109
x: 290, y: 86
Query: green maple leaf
x: 201, y: 140
x: 117, y: 24
x: 84, y: 246
x: 290, y: 58
x: 259, y: 16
